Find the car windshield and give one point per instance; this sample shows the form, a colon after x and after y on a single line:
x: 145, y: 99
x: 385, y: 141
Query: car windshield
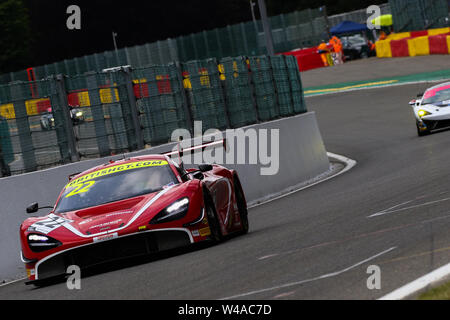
x: 433, y: 96
x: 353, y: 40
x: 115, y: 183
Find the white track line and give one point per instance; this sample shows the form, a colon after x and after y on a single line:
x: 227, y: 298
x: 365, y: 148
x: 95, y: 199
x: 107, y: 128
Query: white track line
x: 349, y: 164
x: 390, y: 210
x: 11, y: 282
x: 419, y: 284
x: 376, y: 87
x: 328, y: 275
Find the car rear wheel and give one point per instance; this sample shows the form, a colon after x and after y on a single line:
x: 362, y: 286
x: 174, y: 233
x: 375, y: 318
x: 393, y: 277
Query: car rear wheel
x: 242, y: 206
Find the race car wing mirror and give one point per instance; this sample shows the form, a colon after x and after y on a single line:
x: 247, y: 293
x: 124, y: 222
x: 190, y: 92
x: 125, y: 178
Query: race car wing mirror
x: 34, y: 207
x: 412, y: 102
x: 198, y: 175
x: 205, y: 167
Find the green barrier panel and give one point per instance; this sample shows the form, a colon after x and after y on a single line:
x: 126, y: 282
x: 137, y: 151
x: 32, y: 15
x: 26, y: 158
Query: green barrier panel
x: 237, y: 84
x: 414, y: 15
x: 298, y: 98
x: 206, y: 96
x: 282, y: 85
x: 125, y: 109
x: 6, y: 148
x: 161, y: 102
x: 266, y: 98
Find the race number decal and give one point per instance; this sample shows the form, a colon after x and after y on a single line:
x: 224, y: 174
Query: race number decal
x: 80, y: 188
x: 52, y: 222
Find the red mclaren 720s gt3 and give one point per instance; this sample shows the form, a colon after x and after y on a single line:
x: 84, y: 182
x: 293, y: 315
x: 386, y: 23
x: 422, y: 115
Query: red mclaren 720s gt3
x: 132, y: 207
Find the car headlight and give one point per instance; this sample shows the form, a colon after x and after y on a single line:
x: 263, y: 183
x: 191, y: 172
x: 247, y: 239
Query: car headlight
x: 175, y: 211
x: 39, y: 243
x: 79, y: 114
x: 422, y: 113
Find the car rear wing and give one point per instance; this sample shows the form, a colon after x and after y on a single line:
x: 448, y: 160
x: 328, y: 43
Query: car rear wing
x: 181, y: 151
x: 73, y: 175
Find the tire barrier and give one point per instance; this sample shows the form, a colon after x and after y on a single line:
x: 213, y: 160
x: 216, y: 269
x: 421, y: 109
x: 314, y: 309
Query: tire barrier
x: 67, y: 118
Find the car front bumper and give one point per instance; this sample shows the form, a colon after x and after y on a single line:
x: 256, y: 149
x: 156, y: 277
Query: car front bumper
x: 127, y: 246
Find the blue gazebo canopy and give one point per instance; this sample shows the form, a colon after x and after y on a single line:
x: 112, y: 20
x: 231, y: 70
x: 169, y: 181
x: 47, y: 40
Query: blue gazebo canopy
x: 348, y: 27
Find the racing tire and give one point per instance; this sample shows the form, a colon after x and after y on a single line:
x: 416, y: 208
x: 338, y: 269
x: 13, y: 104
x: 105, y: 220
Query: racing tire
x: 422, y: 133
x: 213, y: 221
x: 242, y: 206
x: 43, y: 127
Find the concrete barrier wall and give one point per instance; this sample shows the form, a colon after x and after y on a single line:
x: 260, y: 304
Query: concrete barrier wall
x: 302, y: 156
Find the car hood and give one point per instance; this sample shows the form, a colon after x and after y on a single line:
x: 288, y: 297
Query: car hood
x: 107, y: 218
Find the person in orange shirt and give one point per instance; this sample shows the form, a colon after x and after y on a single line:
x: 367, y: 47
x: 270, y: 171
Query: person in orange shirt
x: 322, y: 49
x: 337, y: 47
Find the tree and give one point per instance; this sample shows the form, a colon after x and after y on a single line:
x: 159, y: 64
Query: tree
x: 15, y: 36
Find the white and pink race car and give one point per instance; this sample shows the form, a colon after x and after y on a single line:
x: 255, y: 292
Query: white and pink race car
x: 432, y: 109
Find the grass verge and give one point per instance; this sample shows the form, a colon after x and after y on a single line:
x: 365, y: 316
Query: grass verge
x: 440, y: 293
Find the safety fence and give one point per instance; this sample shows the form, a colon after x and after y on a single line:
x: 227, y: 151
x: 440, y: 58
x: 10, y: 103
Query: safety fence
x: 64, y: 119
x: 297, y: 29
x: 413, y: 15
x: 358, y: 16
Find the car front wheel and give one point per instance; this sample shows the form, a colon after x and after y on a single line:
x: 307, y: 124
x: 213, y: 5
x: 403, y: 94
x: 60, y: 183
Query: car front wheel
x: 421, y: 132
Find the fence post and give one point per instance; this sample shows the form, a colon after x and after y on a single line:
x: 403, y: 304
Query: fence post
x: 251, y: 84
x: 219, y: 43
x: 232, y: 44
x: 5, y: 171
x: 173, y: 50
x: 194, y: 44
x: 98, y: 115
x: 223, y: 90
x: 291, y: 93
x: 186, y: 106
x: 244, y: 37
x: 23, y: 127
x: 208, y: 54
x: 275, y: 88
x: 160, y: 53
x: 133, y: 108
x: 299, y: 79
x: 67, y: 121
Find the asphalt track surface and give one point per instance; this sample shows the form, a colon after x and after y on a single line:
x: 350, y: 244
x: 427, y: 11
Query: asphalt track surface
x: 374, y: 68
x: 391, y: 210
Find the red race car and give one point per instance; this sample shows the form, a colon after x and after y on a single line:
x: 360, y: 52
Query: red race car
x: 132, y: 207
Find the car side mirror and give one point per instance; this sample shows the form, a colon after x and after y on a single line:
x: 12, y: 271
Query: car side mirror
x: 205, y: 167
x: 412, y: 102
x: 198, y: 175
x: 33, y: 208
